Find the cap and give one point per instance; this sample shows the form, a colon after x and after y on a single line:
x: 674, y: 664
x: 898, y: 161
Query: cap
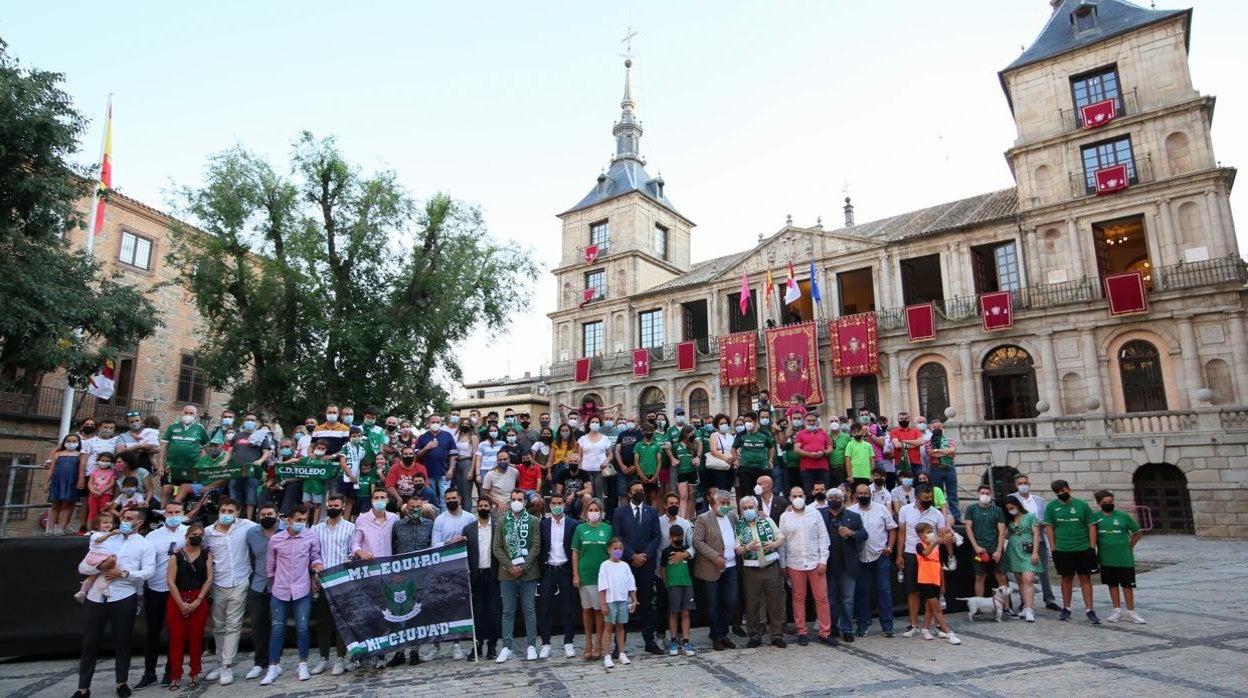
x: 680, y: 410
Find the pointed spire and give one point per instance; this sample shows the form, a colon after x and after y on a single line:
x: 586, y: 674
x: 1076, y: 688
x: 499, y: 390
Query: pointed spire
x: 627, y: 130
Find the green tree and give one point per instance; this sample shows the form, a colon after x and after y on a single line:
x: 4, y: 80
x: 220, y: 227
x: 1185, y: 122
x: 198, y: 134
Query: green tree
x: 332, y: 284
x: 50, y: 290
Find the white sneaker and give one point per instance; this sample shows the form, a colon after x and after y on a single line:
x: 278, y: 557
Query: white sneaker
x: 954, y: 639
x: 214, y: 674
x: 624, y: 659
x: 318, y: 668
x: 951, y: 565
x: 1029, y: 615
x: 545, y: 653
x: 941, y: 634
x: 569, y: 650
x: 911, y: 631
x: 606, y: 660
x: 427, y: 653
x: 256, y: 672
x: 339, y: 668
x: 303, y: 671
x: 1115, y: 616
x: 957, y: 539
x: 457, y: 653
x: 503, y: 655
x: 227, y: 676
x: 1135, y: 618
x: 927, y: 635
x: 531, y: 653
x: 271, y: 675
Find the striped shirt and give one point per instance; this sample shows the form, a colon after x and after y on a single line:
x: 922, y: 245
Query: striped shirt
x: 335, y: 541
x: 334, y: 434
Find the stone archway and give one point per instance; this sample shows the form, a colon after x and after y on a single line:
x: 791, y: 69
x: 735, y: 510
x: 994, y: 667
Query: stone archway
x: 1162, y: 488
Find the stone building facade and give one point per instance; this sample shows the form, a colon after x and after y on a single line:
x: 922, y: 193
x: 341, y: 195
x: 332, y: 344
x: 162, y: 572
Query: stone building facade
x: 526, y: 394
x: 1151, y: 405
x: 157, y: 377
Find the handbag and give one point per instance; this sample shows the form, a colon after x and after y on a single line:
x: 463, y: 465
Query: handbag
x: 607, y: 470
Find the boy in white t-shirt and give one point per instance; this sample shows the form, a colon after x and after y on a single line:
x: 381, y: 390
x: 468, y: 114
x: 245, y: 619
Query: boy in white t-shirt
x: 618, y: 591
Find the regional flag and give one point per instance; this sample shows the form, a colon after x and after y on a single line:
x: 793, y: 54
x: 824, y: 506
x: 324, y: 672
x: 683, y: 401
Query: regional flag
x: 745, y: 295
x: 106, y: 172
x: 641, y: 363
x: 768, y: 289
x: 792, y: 292
x: 103, y: 382
x: 591, y: 254
x: 814, y: 283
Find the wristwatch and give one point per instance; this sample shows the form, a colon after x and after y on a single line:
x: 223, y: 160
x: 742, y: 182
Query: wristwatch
x: 125, y: 574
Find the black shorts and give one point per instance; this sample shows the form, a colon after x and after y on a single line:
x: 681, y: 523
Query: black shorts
x: 1077, y: 562
x: 688, y: 478
x: 928, y: 591
x: 911, y: 566
x: 651, y: 487
x: 1118, y: 577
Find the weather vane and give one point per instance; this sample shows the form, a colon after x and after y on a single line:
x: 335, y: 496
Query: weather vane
x: 628, y: 42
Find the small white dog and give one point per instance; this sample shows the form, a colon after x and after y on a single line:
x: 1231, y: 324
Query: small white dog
x: 994, y: 604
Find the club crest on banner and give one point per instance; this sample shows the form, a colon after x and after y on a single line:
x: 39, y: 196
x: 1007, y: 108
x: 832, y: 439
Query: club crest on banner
x: 401, y: 602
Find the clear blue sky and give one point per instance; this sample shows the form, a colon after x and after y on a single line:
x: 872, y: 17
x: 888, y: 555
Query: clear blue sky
x: 752, y: 110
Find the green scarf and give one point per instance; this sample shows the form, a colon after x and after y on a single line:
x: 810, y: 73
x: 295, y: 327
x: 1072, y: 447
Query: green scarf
x: 757, y: 558
x: 516, y: 535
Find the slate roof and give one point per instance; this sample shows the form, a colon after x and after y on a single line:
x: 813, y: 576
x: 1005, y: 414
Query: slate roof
x: 702, y: 272
x: 1113, y: 18
x: 626, y: 175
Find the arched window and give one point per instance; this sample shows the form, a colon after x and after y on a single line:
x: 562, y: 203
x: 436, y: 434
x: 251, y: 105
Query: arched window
x: 652, y: 398
x: 864, y: 391
x: 1139, y: 365
x: 1009, y: 383
x: 699, y: 403
x: 1218, y: 379
x: 933, y: 383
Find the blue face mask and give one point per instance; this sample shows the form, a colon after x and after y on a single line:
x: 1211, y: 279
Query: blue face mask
x: 297, y: 527
x: 126, y: 528
x: 348, y: 419
x: 173, y: 521
x: 750, y: 514
x: 226, y: 519
x: 249, y: 425
x: 723, y: 428
x: 379, y: 504
x: 812, y: 427
x: 907, y: 481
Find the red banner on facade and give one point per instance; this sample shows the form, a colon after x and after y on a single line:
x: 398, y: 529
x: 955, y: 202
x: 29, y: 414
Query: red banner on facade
x: 1111, y: 179
x: 1126, y: 293
x: 855, y: 350
x: 586, y: 297
x: 997, y: 309
x: 921, y: 322
x: 641, y: 362
x: 738, y: 359
x: 582, y: 370
x: 793, y: 364
x: 1098, y: 113
x: 686, y: 356
x: 591, y: 254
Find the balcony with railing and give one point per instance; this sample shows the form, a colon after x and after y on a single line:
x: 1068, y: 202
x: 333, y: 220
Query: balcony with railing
x: 44, y: 404
x: 1139, y: 171
x: 1128, y: 104
x: 1100, y: 425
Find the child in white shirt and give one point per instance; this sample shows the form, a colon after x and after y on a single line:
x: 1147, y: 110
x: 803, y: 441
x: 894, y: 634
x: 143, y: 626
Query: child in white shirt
x: 618, y: 591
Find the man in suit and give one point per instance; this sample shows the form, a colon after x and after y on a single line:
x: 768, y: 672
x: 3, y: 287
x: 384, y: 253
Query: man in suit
x: 638, y: 526
x: 517, y: 548
x: 847, y: 534
x: 556, y: 560
x: 715, y: 540
x: 483, y: 571
x: 770, y: 503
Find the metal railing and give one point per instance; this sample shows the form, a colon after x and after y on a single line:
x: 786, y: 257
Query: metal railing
x: 1139, y: 172
x: 1210, y: 272
x: 10, y: 484
x: 45, y: 404
x: 1128, y: 103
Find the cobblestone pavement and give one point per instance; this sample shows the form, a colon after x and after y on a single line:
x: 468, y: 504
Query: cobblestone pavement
x: 1195, y: 643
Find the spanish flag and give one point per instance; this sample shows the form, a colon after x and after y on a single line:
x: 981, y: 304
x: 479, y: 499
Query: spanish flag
x: 768, y: 289
x: 106, y: 172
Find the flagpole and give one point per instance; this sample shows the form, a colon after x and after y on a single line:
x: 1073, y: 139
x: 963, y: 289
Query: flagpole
x: 67, y: 404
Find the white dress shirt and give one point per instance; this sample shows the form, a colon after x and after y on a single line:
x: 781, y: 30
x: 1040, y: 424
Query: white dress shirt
x: 335, y: 541
x: 231, y: 558
x: 878, y: 521
x: 557, y: 525
x: 135, y: 557
x: 730, y: 541
x: 485, y: 545
x: 161, y: 540
x: 806, y: 539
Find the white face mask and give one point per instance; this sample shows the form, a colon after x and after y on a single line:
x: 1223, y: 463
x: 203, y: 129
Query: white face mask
x: 985, y: 499
x: 435, y: 427
x: 799, y: 503
x: 758, y: 489
x: 595, y: 516
x: 188, y: 419
x: 517, y: 507
x: 574, y: 423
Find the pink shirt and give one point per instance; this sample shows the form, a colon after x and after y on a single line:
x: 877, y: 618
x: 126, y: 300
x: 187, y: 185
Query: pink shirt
x: 811, y: 441
x: 372, y: 536
x: 290, y: 559
x: 103, y: 479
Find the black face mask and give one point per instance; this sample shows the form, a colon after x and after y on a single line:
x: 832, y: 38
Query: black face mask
x: 546, y: 439
x: 452, y: 506
x: 638, y: 497
x: 268, y: 521
x: 821, y: 496
x: 194, y: 540
x: 408, y: 460
x: 483, y: 513
x: 525, y: 424
x: 857, y: 437
x: 924, y: 504
x: 1107, y: 508
x: 864, y: 501
x: 88, y: 430
x: 1065, y: 496
x: 835, y: 504
x: 903, y: 423
x: 879, y: 482
x: 936, y: 433
x: 391, y: 427
x: 672, y: 509
x: 333, y: 513
x: 545, y: 423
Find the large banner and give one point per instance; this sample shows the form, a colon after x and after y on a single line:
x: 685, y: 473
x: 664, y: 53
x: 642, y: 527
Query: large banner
x: 389, y: 603
x: 855, y: 351
x: 738, y: 359
x: 793, y: 364
x: 307, y: 469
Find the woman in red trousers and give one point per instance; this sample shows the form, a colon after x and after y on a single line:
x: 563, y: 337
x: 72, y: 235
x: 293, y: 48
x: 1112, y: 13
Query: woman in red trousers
x: 190, y: 579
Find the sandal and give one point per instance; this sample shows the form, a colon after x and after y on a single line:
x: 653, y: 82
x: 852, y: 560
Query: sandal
x: 589, y: 653
x: 193, y: 683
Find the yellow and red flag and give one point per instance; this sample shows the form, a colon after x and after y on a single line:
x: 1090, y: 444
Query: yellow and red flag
x: 768, y: 289
x: 106, y: 172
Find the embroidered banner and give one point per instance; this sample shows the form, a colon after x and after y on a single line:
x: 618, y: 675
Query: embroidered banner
x: 582, y: 370
x: 997, y: 309
x: 591, y: 254
x: 1111, y: 179
x: 1098, y: 113
x: 686, y: 356
x: 389, y: 603
x: 1126, y: 293
x: 738, y: 359
x: 641, y: 362
x: 793, y: 363
x: 855, y: 350
x: 921, y: 322
x: 307, y: 469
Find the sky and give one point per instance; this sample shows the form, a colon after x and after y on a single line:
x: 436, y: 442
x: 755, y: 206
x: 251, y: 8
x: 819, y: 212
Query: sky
x: 752, y: 111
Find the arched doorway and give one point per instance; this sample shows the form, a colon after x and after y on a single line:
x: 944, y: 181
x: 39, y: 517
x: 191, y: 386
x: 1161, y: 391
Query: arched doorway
x: 1143, y: 388
x: 652, y: 398
x: 1163, y: 489
x: 699, y: 403
x: 1001, y: 479
x: 933, y: 385
x: 1009, y: 384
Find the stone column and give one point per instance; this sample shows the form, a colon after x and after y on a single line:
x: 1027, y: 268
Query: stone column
x: 1078, y: 251
x: 1027, y: 238
x: 1239, y: 351
x: 968, y: 411
x: 894, y: 385
x: 1092, y: 378
x: 1052, y: 387
x: 1190, y: 375
x: 673, y: 400
x: 1169, y: 236
x: 1154, y: 245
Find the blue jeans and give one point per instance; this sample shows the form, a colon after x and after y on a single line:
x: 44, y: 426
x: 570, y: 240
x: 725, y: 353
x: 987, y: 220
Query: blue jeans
x: 278, y: 610
x: 527, y: 592
x: 841, y: 588
x: 947, y: 480
x: 721, y: 599
x: 875, y: 575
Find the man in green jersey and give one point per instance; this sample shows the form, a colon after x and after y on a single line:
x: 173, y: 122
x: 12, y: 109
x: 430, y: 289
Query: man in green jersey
x: 1070, y: 527
x: 1117, y: 533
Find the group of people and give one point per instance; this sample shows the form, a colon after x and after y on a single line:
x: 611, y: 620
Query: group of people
x: 617, y: 518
